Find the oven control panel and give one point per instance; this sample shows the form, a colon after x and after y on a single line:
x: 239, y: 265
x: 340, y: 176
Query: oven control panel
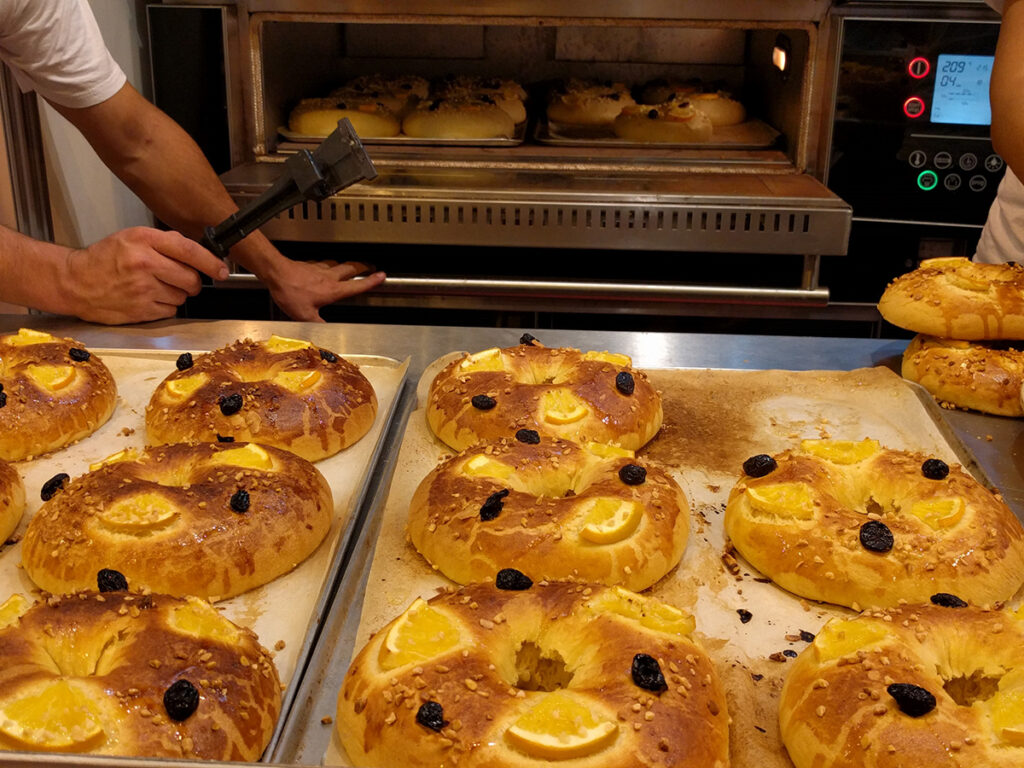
x: 910, y: 134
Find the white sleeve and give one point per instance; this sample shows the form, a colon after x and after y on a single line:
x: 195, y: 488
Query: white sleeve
x: 55, y: 48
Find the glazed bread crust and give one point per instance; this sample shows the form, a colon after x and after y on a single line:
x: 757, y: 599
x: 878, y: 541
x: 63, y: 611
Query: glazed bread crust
x: 817, y: 551
x: 36, y: 418
x: 525, y: 378
x: 299, y: 399
x: 836, y: 710
x: 12, y: 500
x: 954, y: 298
x: 539, y: 528
x: 172, y: 520
x: 475, y: 682
x: 120, y: 652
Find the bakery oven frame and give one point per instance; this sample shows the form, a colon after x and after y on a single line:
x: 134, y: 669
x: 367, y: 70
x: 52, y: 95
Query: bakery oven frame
x: 675, y: 205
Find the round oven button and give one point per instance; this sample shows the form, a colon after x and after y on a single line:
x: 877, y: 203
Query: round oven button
x: 943, y: 160
x: 977, y: 183
x: 952, y: 182
x: 917, y: 158
x: 913, y: 107
x: 968, y: 161
x: 927, y: 180
x: 993, y: 163
x: 919, y: 67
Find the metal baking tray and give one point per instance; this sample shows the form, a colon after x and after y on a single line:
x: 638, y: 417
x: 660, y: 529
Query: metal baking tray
x: 288, y: 612
x: 714, y: 418
x: 517, y: 138
x: 750, y: 134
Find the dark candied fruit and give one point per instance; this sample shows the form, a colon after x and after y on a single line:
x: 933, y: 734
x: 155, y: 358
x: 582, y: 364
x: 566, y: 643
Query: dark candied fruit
x: 184, y: 361
x: 3, y: 399
x: 789, y: 653
x: 912, y: 700
x: 78, y: 355
x: 512, y: 580
x: 527, y: 338
x: 230, y: 404
x: 483, y: 402
x: 745, y: 615
x: 240, y: 500
x: 647, y: 673
x: 876, y: 536
x: 632, y: 474
x: 493, y: 506
x: 181, y: 700
x: 624, y: 382
x: 759, y: 465
x: 807, y: 637
x: 431, y: 715
x: 652, y: 114
x: 54, y: 484
x: 947, y: 600
x: 528, y: 436
x: 935, y: 469
x: 329, y: 357
x: 109, y: 580
x: 225, y: 438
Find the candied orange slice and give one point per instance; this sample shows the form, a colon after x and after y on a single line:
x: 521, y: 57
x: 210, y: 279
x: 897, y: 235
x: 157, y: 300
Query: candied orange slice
x: 419, y: 634
x: 58, y: 717
x: 944, y: 262
x: 250, y: 456
x: 12, y: 609
x: 488, y: 360
x: 649, y: 612
x: 608, y: 520
x: 787, y: 500
x: 840, y: 638
x: 1006, y: 708
x: 26, y: 336
x: 125, y: 454
x: 561, y: 726
x: 614, y: 358
x: 482, y: 466
x: 297, y: 381
x: 139, y: 514
x: 560, y: 406
x: 283, y: 344
x: 841, y: 451
x: 200, y: 619
x: 179, y: 389
x: 51, y: 377
x: 608, y: 450
x: 939, y: 513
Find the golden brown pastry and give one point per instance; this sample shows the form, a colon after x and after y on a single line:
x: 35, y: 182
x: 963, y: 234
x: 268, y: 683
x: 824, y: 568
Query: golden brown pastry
x: 939, y: 684
x: 581, y: 396
x: 52, y: 393
x: 857, y: 524
x: 954, y: 298
x: 976, y: 375
x: 662, y: 89
x: 508, y: 95
x: 553, y: 508
x: 281, y: 392
x: 719, y: 107
x: 319, y: 117
x: 212, y: 520
x: 125, y: 673
x: 12, y: 500
x: 522, y: 674
x: 672, y: 122
x: 465, y: 117
x: 586, y: 102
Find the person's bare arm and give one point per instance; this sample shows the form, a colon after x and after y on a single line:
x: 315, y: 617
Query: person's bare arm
x: 160, y: 163
x: 135, y: 275
x: 1007, y: 88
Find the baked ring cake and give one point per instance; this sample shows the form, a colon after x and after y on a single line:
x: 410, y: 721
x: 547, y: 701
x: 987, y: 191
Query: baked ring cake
x: 977, y: 375
x: 582, y: 396
x: 557, y: 510
x: 721, y: 109
x: 319, y: 117
x: 282, y: 392
x: 585, y: 102
x: 939, y: 684
x: 53, y: 392
x: 663, y: 89
x: 507, y: 94
x: 856, y: 524
x: 399, y: 93
x: 212, y: 520
x: 533, y: 674
x: 12, y: 500
x: 466, y: 117
x: 955, y: 298
x: 677, y: 122
x: 126, y: 673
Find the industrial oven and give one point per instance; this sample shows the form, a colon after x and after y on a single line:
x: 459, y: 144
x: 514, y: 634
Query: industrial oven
x: 544, y: 225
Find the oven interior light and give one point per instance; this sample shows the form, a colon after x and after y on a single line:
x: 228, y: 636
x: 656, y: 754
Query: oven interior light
x: 779, y: 58
x: 781, y: 55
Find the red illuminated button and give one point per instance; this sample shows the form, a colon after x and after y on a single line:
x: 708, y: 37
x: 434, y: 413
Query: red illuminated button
x: 913, y: 107
x: 919, y: 67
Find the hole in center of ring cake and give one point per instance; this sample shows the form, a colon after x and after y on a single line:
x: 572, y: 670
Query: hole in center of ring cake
x: 539, y: 669
x: 967, y: 689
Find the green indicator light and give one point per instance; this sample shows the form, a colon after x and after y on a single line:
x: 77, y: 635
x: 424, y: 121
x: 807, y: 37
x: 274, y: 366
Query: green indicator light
x: 927, y: 180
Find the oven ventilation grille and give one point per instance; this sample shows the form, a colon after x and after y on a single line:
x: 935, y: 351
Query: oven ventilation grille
x: 756, y: 229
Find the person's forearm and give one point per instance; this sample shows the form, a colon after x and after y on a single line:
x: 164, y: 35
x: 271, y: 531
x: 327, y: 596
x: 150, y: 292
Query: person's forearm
x: 1007, y: 88
x: 30, y: 272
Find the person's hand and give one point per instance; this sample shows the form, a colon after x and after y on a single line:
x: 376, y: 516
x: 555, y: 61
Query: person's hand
x: 136, y: 275
x: 301, y: 288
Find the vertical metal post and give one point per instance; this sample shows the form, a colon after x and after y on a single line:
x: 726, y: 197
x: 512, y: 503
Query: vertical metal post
x: 25, y: 156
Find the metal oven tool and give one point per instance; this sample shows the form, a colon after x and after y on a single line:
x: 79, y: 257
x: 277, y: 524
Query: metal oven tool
x: 339, y: 162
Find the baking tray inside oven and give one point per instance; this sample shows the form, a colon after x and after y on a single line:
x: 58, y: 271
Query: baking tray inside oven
x: 714, y: 419
x: 287, y: 612
x: 750, y: 134
x: 401, y: 140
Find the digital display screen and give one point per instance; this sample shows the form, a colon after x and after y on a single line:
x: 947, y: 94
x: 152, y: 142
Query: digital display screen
x: 961, y: 90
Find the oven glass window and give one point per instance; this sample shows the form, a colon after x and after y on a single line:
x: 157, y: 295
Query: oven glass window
x: 961, y: 90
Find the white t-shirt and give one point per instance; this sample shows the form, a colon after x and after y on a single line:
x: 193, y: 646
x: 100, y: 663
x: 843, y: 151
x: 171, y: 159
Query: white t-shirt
x: 55, y: 48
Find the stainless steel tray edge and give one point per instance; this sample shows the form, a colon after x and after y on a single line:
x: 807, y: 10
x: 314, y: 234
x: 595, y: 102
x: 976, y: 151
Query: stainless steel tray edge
x: 302, y: 737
